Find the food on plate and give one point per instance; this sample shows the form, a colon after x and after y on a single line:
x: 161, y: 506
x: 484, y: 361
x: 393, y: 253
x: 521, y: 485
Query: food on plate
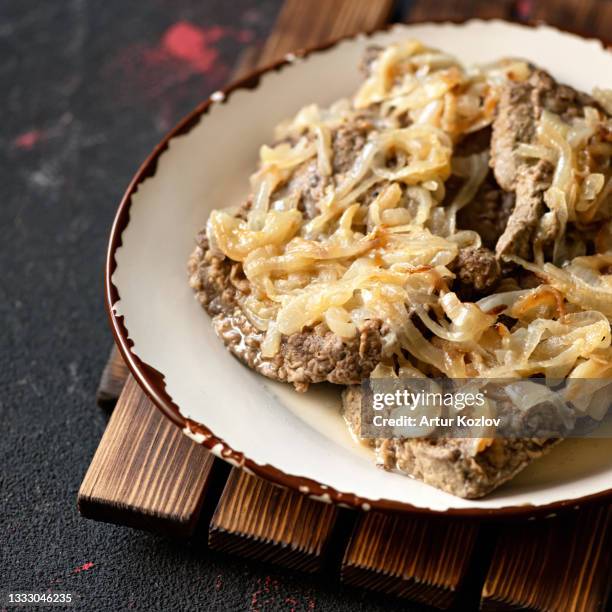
x: 453, y: 221
x: 307, y: 355
x: 466, y: 467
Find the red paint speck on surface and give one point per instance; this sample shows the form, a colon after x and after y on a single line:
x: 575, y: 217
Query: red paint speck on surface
x: 192, y: 44
x: 244, y: 36
x: 28, y: 139
x: 84, y: 567
x: 183, y: 51
x: 266, y: 596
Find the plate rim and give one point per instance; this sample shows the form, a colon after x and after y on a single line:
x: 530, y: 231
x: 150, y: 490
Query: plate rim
x: 152, y: 382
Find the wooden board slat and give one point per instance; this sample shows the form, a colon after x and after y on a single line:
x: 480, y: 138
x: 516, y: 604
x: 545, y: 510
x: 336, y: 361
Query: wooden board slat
x: 257, y: 519
x: 113, y: 378
x: 413, y: 557
x: 456, y: 10
x: 145, y: 473
x: 560, y: 565
x: 306, y: 24
x: 589, y: 17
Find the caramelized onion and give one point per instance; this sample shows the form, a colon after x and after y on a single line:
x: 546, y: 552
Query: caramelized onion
x: 376, y: 241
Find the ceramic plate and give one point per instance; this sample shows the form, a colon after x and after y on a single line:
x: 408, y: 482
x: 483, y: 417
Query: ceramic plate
x: 167, y: 339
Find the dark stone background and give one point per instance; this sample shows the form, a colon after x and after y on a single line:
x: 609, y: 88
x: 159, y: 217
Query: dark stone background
x: 88, y: 88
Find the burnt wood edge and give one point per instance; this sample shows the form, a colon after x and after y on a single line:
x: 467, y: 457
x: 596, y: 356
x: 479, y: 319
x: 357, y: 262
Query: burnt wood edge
x: 391, y: 573
x: 249, y: 513
x: 545, y: 564
x: 139, y: 455
x: 99, y: 510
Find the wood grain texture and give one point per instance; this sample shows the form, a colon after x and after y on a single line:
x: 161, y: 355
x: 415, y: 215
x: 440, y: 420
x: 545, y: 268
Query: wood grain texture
x: 145, y: 473
x: 417, y: 558
x: 113, y: 378
x: 306, y: 24
x: 560, y: 565
x: 588, y: 17
x: 257, y: 519
x: 425, y: 10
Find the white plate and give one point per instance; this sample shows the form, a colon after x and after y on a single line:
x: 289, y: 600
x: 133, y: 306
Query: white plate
x: 298, y: 440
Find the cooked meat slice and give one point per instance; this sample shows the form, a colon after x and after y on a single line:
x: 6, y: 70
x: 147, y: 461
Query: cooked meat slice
x: 477, y: 271
x: 306, y: 181
x: 316, y: 355
x: 453, y: 466
x: 523, y: 223
x: 520, y: 106
x: 558, y: 98
x: 311, y: 356
x: 514, y: 124
x: 459, y: 465
x: 487, y: 213
x: 347, y: 143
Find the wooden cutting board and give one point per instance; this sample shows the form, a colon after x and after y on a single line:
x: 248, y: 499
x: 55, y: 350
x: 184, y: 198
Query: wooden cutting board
x: 148, y: 475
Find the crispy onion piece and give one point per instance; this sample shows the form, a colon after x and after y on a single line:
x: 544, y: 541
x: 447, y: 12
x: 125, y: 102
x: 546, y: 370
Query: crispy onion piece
x: 501, y: 302
x: 377, y: 242
x: 308, y: 307
x: 428, y: 151
x: 553, y: 132
x: 285, y: 156
x: 339, y: 321
x: 431, y: 89
x: 416, y: 246
x: 418, y: 346
x: 586, y: 281
x: 378, y: 85
x: 587, y: 385
x: 541, y: 302
x: 323, y: 134
x: 272, y: 340
x: 468, y: 322
x: 236, y: 240
x: 263, y: 184
x: 552, y: 347
x: 388, y: 198
x: 581, y: 156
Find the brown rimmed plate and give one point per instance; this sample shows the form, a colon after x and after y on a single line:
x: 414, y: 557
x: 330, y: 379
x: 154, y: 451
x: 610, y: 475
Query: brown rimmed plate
x: 296, y: 440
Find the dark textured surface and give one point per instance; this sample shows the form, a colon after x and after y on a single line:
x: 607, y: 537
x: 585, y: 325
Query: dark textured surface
x: 87, y: 90
x: 88, y: 87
